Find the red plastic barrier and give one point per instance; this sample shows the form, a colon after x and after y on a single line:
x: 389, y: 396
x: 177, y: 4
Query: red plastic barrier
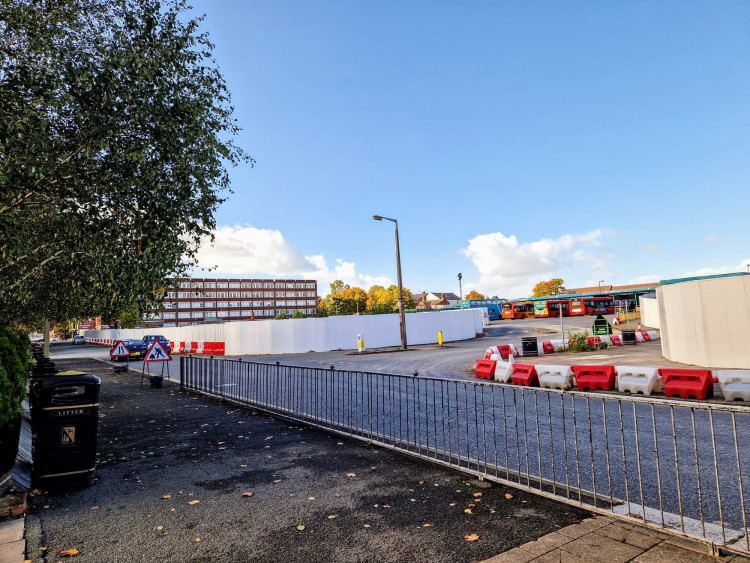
x: 486, y: 369
x: 171, y: 346
x: 524, y: 374
x: 616, y: 340
x: 686, y: 383
x: 594, y: 377
x: 487, y: 355
x: 181, y: 348
x: 218, y: 348
x: 208, y: 348
x: 547, y: 347
x: 594, y: 341
x: 193, y: 347
x: 646, y: 337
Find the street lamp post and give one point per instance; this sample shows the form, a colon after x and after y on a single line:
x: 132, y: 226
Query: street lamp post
x: 600, y: 285
x: 401, y: 319
x: 460, y: 291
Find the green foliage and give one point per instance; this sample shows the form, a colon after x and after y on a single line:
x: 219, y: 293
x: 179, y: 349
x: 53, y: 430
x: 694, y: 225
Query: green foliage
x: 298, y: 315
x: 578, y: 342
x: 555, y: 286
x: 15, y: 368
x: 281, y: 315
x: 115, y: 138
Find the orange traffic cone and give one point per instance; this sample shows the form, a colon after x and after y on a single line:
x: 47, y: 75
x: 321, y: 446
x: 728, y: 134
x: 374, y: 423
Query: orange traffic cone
x: 639, y: 327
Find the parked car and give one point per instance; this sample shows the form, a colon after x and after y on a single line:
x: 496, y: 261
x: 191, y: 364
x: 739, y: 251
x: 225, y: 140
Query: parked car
x: 79, y: 339
x: 149, y: 338
x: 137, y: 349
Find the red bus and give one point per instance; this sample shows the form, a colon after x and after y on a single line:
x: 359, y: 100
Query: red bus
x: 518, y: 310
x: 599, y: 305
x: 552, y: 308
x: 577, y: 307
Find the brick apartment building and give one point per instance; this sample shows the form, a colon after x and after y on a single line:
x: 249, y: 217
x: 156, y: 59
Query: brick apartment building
x: 202, y: 300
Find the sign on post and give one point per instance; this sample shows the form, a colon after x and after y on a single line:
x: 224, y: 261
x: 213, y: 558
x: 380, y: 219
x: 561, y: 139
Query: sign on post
x: 157, y: 353
x: 119, y: 350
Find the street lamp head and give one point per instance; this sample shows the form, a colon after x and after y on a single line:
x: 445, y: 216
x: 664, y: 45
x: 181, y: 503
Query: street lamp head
x: 377, y: 217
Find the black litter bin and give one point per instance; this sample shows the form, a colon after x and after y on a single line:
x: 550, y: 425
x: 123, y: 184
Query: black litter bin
x: 64, y: 424
x: 529, y: 346
x: 628, y: 337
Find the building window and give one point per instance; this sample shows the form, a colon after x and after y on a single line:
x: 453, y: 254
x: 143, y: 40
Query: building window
x: 168, y: 305
x: 234, y: 285
x: 268, y: 294
x: 234, y: 303
x: 187, y: 315
x: 168, y: 315
x: 222, y: 285
x: 221, y: 304
x: 183, y: 295
x: 247, y: 304
x: 198, y: 314
x: 184, y: 305
x: 209, y: 304
x: 209, y: 285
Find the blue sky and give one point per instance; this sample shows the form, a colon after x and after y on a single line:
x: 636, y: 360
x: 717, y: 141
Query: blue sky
x: 514, y: 142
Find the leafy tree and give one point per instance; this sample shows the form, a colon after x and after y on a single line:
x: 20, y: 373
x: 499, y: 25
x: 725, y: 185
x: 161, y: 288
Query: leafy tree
x: 338, y: 286
x: 15, y: 367
x: 281, y: 315
x: 554, y: 286
x: 474, y: 295
x: 115, y: 138
x: 382, y: 300
x: 298, y: 315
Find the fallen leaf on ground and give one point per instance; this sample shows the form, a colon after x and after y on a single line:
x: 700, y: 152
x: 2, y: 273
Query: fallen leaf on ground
x: 508, y: 496
x: 160, y: 528
x: 220, y: 443
x: 300, y: 527
x: 197, y: 540
x: 426, y: 525
x: 310, y: 498
x: 472, y: 505
x: 367, y: 525
x: 67, y: 553
x: 277, y: 481
x: 291, y: 460
x: 452, y: 504
x: 247, y: 494
x: 269, y: 438
x: 94, y: 508
x: 351, y: 474
x: 166, y: 496
x: 471, y: 537
x: 332, y: 516
x: 477, y: 495
x: 468, y: 511
x: 243, y: 465
x: 193, y: 502
x: 421, y: 482
x: 337, y: 495
x: 386, y: 506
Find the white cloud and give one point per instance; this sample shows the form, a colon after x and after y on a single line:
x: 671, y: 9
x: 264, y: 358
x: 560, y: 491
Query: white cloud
x: 511, y: 269
x: 715, y: 238
x: 647, y: 278
x: 709, y: 271
x: 250, y: 252
x: 653, y: 247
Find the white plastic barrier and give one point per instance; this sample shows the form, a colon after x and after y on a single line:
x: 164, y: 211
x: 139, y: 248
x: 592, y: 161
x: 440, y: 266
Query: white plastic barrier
x: 637, y: 379
x: 540, y: 348
x: 653, y: 334
x: 555, y: 377
x: 639, y: 336
x: 513, y: 349
x: 606, y: 339
x: 503, y: 369
x: 560, y: 344
x: 734, y: 383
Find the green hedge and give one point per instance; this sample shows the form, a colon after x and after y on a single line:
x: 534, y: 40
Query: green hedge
x: 15, y: 368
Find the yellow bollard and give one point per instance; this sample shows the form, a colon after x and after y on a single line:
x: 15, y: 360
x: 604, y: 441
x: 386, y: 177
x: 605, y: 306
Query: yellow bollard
x: 360, y: 343
x: 440, y: 337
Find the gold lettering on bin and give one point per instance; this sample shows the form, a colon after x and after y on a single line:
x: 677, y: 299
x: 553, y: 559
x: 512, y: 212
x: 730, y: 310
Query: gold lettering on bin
x: 68, y: 436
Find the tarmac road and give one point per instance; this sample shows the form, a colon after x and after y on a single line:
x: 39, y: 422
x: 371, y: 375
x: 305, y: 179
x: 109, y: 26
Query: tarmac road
x: 356, y: 502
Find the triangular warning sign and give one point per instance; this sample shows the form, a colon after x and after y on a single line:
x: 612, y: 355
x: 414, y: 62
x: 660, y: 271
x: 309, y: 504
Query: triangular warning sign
x: 157, y: 353
x: 119, y: 350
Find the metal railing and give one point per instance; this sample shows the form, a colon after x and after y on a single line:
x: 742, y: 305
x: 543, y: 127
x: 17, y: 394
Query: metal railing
x: 676, y: 466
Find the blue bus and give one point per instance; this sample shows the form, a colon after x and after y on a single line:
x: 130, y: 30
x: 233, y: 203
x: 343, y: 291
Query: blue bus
x: 492, y: 305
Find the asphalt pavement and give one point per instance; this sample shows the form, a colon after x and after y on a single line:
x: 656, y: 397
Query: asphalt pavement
x: 266, y: 490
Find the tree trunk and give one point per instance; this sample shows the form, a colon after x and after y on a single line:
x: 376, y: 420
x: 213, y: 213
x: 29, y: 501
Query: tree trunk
x: 46, y: 338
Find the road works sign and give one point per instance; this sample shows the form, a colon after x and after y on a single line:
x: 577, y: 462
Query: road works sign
x: 157, y: 353
x: 119, y: 350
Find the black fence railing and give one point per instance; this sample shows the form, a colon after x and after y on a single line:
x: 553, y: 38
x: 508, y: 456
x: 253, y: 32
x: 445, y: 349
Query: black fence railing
x: 677, y: 466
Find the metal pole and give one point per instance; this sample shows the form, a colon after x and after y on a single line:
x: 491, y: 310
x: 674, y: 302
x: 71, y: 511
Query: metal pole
x: 401, y: 319
x: 461, y: 291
